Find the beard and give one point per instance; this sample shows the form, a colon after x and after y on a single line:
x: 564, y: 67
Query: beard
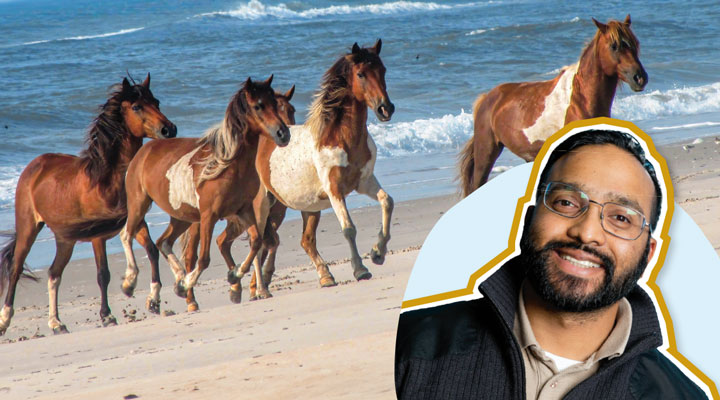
x: 568, y: 293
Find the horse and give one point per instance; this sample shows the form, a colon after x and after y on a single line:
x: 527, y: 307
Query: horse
x: 234, y: 227
x: 83, y: 198
x: 331, y: 156
x: 203, y: 180
x: 521, y: 116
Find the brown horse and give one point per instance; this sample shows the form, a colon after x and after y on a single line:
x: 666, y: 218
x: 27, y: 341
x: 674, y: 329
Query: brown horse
x: 332, y: 155
x: 204, y: 180
x: 83, y: 198
x: 521, y: 116
x: 234, y: 226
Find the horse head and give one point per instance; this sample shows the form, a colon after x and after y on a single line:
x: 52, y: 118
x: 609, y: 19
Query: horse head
x: 261, y: 111
x: 141, y: 111
x: 618, y: 50
x: 285, y: 109
x: 366, y: 80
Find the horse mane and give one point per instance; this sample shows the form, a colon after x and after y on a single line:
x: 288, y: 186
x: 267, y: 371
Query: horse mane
x: 106, y: 134
x: 227, y: 139
x: 617, y: 31
x: 327, y: 105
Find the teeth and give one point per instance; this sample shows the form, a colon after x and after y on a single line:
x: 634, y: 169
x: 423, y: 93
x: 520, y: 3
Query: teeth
x: 580, y: 263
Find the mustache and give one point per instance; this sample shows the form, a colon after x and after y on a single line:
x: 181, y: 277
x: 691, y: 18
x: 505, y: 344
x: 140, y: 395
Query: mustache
x: 607, y: 262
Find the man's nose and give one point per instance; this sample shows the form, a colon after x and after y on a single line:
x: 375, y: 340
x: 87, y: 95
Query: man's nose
x: 587, y: 228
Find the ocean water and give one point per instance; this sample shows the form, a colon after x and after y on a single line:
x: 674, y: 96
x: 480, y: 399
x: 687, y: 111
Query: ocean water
x: 57, y: 59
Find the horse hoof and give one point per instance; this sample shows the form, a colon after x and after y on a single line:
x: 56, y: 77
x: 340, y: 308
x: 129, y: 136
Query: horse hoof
x: 192, y: 307
x: 327, y: 281
x: 60, y: 329
x: 376, y: 257
x: 232, y: 278
x: 362, y: 274
x: 153, y: 305
x: 106, y: 321
x: 128, y: 290
x: 180, y: 289
x: 235, y: 296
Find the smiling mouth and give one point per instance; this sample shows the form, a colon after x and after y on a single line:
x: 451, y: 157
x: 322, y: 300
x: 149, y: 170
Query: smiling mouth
x: 580, y: 263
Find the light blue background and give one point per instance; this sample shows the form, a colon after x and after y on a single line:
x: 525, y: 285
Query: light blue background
x: 476, y: 230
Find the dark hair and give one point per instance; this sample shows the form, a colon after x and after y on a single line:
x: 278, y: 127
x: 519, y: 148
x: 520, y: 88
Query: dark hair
x: 623, y: 141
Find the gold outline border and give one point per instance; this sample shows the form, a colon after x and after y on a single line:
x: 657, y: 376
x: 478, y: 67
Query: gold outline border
x: 670, y: 206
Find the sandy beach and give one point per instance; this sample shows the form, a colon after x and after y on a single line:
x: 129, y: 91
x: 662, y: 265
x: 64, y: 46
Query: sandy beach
x: 305, y: 342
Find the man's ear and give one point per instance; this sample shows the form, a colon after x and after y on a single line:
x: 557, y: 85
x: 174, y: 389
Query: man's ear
x: 653, y: 245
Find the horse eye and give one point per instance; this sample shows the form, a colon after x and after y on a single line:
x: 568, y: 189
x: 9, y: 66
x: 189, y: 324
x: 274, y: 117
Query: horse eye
x: 256, y: 107
x: 360, y: 75
x: 136, y: 107
x: 614, y: 46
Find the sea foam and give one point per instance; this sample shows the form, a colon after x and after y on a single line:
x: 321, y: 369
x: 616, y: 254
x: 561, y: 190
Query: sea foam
x: 256, y: 10
x: 681, y: 101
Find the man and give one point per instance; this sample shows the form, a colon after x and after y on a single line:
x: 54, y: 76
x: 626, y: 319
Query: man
x: 565, y: 318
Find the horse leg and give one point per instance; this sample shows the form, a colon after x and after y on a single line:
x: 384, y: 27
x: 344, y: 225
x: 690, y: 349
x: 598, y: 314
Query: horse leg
x: 486, y: 150
x: 239, y: 271
x: 103, y: 279
x: 271, y: 241
x: 308, y: 243
x: 349, y: 231
x: 372, y: 189
x: 261, y: 209
x: 27, y: 231
x: 165, y: 244
x: 207, y: 223
x: 190, y: 244
x: 224, y: 241
x: 62, y: 257
x: 153, y: 300
x: 138, y: 205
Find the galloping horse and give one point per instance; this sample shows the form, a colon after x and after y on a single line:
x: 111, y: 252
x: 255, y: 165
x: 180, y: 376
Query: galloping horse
x: 204, y: 180
x: 331, y: 155
x: 83, y: 198
x: 234, y: 227
x: 521, y: 116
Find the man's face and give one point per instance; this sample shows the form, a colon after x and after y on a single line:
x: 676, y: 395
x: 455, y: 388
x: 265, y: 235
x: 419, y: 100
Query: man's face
x: 573, y: 263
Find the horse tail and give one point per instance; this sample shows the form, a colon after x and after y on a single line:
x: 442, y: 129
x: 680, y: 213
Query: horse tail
x: 7, y: 255
x: 467, y: 160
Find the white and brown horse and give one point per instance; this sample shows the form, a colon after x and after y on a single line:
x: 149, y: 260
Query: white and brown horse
x: 190, y: 239
x: 203, y: 180
x: 521, y: 116
x: 330, y: 156
x: 83, y: 198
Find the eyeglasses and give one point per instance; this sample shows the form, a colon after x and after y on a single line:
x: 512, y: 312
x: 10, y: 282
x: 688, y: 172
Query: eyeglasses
x: 616, y: 219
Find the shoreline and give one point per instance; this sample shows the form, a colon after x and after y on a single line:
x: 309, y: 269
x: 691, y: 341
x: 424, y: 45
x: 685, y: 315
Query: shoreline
x: 332, y: 342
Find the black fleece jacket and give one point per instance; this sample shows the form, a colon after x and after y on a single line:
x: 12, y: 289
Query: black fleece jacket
x: 467, y: 350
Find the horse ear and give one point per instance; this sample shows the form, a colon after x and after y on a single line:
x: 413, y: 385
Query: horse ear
x: 146, y: 82
x: 126, y: 85
x: 290, y: 93
x: 269, y: 80
x: 627, y: 20
x: 378, y: 45
x: 600, y: 25
x: 355, y: 48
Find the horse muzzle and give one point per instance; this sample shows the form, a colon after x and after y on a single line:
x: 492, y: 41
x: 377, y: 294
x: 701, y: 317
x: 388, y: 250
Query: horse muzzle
x: 384, y: 111
x: 637, y: 80
x: 281, y: 136
x: 169, y: 130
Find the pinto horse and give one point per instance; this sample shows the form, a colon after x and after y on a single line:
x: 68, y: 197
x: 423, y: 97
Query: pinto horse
x: 204, y: 180
x: 331, y: 155
x: 234, y: 226
x: 521, y: 116
x: 83, y: 198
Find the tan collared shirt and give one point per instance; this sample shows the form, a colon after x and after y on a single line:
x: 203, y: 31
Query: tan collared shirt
x: 542, y: 378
